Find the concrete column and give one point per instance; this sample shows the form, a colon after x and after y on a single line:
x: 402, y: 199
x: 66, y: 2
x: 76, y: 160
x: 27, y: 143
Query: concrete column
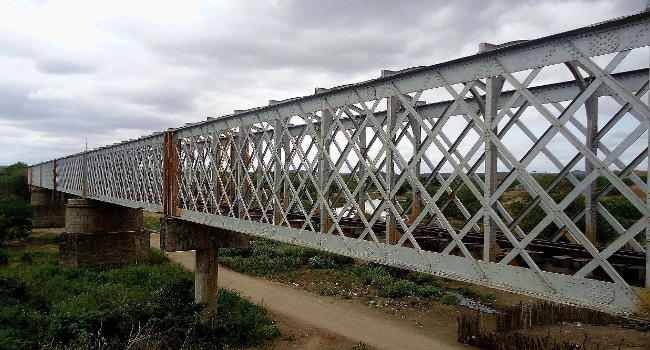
x: 181, y: 235
x: 49, y: 207
x: 100, y: 234
x: 205, y: 282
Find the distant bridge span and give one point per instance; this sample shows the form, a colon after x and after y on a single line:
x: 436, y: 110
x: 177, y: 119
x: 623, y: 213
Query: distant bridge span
x: 416, y: 169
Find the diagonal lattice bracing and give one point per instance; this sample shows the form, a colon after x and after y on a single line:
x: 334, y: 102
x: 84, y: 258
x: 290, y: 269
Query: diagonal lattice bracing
x: 487, y: 169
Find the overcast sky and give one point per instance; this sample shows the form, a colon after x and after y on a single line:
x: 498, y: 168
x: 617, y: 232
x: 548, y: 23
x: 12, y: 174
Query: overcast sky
x: 113, y: 70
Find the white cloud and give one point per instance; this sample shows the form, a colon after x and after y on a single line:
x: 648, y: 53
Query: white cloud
x: 113, y: 70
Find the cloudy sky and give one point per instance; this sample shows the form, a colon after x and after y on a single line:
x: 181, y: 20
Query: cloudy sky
x: 113, y: 70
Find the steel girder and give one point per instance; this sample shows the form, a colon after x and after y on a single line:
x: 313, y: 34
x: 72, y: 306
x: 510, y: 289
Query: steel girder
x: 277, y: 171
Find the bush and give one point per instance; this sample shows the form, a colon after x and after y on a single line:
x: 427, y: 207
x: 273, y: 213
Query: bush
x: 434, y: 292
x: 320, y: 262
x: 325, y: 290
x: 4, y: 257
x: 12, y: 287
x: 46, y: 303
x: 13, y: 181
x: 15, y: 216
x: 242, y: 322
x: 157, y: 257
x: 399, y: 289
x: 451, y: 299
x: 151, y: 223
x: 27, y: 258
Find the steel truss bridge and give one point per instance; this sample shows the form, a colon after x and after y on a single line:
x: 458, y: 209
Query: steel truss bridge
x: 331, y: 170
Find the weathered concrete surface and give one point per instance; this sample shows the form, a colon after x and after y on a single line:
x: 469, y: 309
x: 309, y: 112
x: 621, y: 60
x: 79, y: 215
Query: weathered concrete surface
x: 99, y: 234
x: 89, y: 216
x: 205, y: 281
x: 49, y: 207
x: 103, y: 249
x: 181, y: 235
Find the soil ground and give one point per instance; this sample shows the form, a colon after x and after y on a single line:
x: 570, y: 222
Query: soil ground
x: 312, y: 321
x: 335, y: 322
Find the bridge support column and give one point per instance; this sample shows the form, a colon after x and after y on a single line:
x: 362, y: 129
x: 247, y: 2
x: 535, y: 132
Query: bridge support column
x: 180, y: 235
x: 100, y: 234
x: 205, y: 281
x: 49, y: 207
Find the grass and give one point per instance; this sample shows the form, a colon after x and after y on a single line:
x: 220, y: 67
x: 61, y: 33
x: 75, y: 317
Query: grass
x: 151, y: 223
x: 451, y: 299
x: 146, y: 306
x: 330, y: 274
x: 361, y: 346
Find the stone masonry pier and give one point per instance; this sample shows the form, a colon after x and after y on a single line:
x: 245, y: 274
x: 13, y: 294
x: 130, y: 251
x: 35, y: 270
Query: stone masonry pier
x: 100, y: 234
x: 49, y: 207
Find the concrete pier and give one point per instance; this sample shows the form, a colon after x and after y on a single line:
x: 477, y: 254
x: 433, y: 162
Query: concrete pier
x: 181, y: 235
x: 49, y: 207
x: 99, y: 234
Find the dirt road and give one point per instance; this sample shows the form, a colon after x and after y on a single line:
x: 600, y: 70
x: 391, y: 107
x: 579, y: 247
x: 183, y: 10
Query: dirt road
x: 345, y: 318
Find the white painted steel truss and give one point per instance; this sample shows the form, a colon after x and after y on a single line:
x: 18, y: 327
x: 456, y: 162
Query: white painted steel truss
x: 325, y: 171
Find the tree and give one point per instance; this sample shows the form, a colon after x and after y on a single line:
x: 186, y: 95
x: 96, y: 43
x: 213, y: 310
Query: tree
x: 13, y: 181
x: 15, y: 218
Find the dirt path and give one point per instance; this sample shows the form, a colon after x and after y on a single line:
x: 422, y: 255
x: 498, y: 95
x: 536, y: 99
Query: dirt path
x: 344, y: 318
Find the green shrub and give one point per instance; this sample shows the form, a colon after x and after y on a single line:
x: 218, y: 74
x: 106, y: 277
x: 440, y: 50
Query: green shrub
x: 27, y: 257
x: 487, y: 297
x: 242, y: 322
x: 451, y: 299
x: 151, y: 223
x: 157, y: 257
x: 13, y: 181
x: 421, y: 278
x: 432, y: 291
x: 399, y: 289
x: 623, y: 210
x: 464, y: 291
x: 325, y: 290
x: 320, y: 262
x: 15, y: 218
x: 4, y: 257
x: 43, y: 303
x: 12, y: 287
x: 361, y: 346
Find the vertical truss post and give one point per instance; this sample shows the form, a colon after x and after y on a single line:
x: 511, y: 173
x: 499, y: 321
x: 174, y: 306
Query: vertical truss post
x: 647, y: 228
x: 260, y: 171
x: 84, y: 174
x: 238, y: 150
x: 286, y: 145
x: 221, y: 146
x: 234, y: 175
x: 170, y: 174
x: 323, y: 165
x: 493, y: 87
x: 246, y: 161
x: 363, y: 147
x: 393, y: 106
x: 277, y: 171
x: 214, y: 170
x: 54, y: 175
x: 417, y: 137
x: 591, y: 210
x: 40, y: 174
